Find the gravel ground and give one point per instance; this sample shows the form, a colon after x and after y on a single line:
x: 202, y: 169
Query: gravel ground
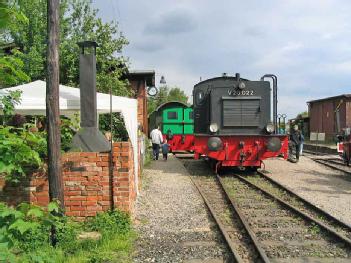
x: 326, y: 188
x: 172, y: 221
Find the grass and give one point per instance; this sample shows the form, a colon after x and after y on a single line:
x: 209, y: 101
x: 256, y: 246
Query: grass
x: 112, y: 248
x: 115, y: 244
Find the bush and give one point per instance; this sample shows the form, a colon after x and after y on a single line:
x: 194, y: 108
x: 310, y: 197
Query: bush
x: 20, y: 151
x: 111, y: 221
x: 25, y: 236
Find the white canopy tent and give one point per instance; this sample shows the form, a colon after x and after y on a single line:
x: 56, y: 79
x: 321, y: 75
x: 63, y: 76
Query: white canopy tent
x: 33, y: 103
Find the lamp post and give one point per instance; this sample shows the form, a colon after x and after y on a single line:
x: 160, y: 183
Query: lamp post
x: 163, y: 81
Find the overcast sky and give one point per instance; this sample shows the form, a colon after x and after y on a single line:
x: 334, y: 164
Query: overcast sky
x: 307, y: 44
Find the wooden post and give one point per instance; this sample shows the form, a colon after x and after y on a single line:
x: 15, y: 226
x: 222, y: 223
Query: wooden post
x: 52, y: 105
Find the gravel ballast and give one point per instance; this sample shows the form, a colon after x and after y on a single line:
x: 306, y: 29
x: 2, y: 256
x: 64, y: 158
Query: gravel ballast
x: 324, y: 187
x: 172, y: 221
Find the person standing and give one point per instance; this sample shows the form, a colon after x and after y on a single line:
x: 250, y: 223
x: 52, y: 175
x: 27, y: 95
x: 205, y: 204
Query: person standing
x: 156, y: 139
x: 165, y: 150
x: 296, y: 139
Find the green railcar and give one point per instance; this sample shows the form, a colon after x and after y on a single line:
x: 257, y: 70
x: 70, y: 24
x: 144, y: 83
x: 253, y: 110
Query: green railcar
x: 176, y: 121
x: 173, y: 116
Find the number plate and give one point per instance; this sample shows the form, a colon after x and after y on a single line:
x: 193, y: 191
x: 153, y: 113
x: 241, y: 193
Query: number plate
x: 232, y: 92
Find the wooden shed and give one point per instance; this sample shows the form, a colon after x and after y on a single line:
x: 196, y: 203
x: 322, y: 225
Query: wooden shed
x: 330, y: 115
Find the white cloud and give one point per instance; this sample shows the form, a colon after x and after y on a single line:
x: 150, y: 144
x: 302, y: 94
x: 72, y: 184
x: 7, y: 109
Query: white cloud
x: 305, y: 43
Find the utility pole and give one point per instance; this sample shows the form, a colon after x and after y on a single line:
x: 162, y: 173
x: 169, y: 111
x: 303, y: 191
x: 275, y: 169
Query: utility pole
x: 52, y: 104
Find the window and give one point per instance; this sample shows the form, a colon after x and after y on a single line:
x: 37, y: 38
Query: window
x: 199, y: 96
x: 172, y: 115
x: 191, y: 115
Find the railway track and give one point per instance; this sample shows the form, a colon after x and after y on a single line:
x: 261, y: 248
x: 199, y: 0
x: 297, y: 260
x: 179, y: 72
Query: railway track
x: 334, y: 163
x: 261, y: 222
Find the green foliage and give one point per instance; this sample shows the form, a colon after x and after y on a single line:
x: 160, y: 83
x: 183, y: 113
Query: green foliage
x: 8, y: 102
x: 20, y: 151
x: 302, y: 115
x: 25, y: 236
x: 78, y: 22
x: 164, y: 95
x: 11, y: 66
x: 10, y: 14
x: 24, y: 226
x: 119, y: 131
x: 11, y: 70
x: 68, y: 129
x: 109, y: 222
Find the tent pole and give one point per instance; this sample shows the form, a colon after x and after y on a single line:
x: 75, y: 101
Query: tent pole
x: 111, y: 155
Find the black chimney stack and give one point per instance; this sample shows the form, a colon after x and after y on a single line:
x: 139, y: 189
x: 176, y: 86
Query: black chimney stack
x: 89, y: 138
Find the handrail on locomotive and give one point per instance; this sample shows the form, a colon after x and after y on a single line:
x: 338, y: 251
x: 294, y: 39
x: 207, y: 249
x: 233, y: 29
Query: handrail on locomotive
x: 275, y: 98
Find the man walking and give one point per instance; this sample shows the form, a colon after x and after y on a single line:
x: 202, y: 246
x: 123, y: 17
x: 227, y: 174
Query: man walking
x: 156, y: 139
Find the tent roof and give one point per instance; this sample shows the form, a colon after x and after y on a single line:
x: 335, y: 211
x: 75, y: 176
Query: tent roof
x: 33, y: 100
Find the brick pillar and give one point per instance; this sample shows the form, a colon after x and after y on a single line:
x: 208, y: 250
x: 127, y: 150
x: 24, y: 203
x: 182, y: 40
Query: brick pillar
x: 124, y: 190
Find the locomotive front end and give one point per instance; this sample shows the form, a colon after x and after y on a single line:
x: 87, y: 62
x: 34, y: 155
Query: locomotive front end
x: 232, y: 118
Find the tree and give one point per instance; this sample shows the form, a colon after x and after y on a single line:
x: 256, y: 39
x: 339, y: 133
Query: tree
x: 302, y: 114
x: 11, y: 66
x: 166, y: 94
x: 78, y: 22
x: 52, y: 105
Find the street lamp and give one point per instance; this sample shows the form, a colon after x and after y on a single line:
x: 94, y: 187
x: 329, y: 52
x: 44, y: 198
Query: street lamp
x: 163, y: 80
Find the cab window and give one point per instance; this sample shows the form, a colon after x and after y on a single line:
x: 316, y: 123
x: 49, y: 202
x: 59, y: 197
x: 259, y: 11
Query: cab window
x: 199, y: 96
x: 172, y: 115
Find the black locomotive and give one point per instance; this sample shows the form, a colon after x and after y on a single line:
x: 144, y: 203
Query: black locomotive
x: 232, y: 121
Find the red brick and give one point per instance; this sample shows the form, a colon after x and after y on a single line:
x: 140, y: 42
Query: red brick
x: 72, y: 213
x: 121, y: 189
x: 88, y: 213
x: 90, y: 203
x: 106, y: 198
x: 94, y: 208
x: 122, y: 193
x: 76, y: 198
x: 42, y: 198
x: 92, y: 198
x: 105, y: 158
x: 78, y: 208
x: 103, y: 163
x: 89, y: 193
x: 104, y: 203
x: 88, y: 154
x: 72, y: 193
x: 69, y: 203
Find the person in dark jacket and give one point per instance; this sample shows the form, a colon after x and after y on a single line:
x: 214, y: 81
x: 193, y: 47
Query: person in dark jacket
x: 295, y: 137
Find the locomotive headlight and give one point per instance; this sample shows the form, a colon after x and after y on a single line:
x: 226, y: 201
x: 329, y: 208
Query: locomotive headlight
x: 213, y: 127
x: 270, y: 128
x: 241, y: 85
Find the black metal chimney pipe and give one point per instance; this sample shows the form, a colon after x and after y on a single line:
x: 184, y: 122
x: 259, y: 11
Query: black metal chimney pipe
x: 88, y: 138
x: 275, y: 98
